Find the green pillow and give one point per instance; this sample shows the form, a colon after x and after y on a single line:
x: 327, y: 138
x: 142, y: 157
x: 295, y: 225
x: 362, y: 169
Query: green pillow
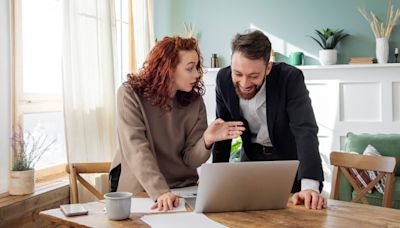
x: 386, y: 144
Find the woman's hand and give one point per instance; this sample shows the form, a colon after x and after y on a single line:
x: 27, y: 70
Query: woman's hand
x: 166, y: 201
x: 220, y: 130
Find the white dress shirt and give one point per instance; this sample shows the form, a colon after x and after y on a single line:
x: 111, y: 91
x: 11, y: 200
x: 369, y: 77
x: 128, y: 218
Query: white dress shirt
x: 255, y: 112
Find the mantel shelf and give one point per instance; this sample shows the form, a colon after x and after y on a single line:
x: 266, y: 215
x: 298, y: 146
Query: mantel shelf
x: 336, y: 66
x: 349, y: 66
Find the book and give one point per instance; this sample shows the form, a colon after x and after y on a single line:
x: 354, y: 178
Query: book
x: 362, y: 60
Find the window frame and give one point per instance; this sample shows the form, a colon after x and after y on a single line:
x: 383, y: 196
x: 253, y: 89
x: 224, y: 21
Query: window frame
x: 6, y: 72
x: 28, y: 103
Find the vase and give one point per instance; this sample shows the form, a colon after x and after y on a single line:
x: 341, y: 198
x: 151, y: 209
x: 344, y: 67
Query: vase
x: 382, y: 49
x: 328, y: 56
x: 21, y: 182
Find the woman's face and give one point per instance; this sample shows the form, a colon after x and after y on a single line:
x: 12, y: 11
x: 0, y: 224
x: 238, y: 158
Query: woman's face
x: 185, y: 74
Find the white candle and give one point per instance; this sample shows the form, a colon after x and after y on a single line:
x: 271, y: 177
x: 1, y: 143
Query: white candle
x: 396, y: 51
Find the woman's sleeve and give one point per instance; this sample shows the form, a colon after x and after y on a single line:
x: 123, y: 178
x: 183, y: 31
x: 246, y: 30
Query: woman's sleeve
x: 195, y: 152
x: 135, y: 147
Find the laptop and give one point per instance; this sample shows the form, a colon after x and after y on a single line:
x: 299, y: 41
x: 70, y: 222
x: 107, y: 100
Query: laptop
x: 244, y: 186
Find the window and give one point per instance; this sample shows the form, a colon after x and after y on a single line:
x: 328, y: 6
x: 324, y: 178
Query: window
x: 38, y: 82
x: 39, y: 50
x: 122, y: 20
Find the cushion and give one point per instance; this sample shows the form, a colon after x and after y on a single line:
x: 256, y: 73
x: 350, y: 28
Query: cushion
x: 380, y: 186
x: 386, y: 144
x: 361, y: 177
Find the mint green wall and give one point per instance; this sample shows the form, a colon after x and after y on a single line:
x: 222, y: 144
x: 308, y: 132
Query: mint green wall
x: 287, y: 22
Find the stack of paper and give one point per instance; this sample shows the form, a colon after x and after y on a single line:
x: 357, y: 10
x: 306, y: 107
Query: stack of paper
x: 177, y: 220
x: 166, y: 219
x: 143, y: 205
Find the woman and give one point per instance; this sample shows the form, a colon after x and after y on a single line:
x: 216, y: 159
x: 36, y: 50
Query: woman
x: 162, y: 124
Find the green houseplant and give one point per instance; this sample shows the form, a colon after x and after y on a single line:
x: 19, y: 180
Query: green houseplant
x: 28, y: 147
x: 328, y: 39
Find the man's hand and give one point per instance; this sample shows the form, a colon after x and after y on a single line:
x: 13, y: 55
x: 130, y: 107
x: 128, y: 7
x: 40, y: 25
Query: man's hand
x: 310, y: 198
x: 166, y: 201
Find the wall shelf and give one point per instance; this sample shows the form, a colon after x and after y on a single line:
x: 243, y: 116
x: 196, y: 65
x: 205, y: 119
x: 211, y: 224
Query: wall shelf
x: 349, y: 66
x: 336, y: 66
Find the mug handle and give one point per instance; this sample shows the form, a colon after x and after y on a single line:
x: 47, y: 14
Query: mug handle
x: 302, y: 58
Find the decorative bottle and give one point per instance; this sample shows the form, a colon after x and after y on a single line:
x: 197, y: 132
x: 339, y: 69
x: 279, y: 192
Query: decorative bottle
x: 214, y: 61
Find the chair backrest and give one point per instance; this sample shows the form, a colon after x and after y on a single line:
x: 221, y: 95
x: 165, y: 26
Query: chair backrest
x: 384, y: 165
x: 385, y: 144
x: 75, y: 169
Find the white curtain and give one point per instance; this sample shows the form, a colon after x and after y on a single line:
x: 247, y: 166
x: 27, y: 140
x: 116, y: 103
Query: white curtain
x: 143, y: 24
x: 89, y: 66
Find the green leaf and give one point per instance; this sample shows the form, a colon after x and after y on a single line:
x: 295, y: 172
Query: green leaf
x: 330, y: 42
x: 329, y: 38
x: 323, y: 38
x: 320, y: 44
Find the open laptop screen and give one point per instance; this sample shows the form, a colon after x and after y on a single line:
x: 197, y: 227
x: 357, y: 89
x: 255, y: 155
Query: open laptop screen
x: 245, y: 186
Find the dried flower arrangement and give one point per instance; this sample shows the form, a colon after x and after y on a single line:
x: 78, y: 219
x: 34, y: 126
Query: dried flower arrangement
x: 189, y: 29
x: 378, y: 28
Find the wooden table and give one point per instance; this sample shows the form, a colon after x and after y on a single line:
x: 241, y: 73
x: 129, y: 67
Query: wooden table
x: 338, y: 214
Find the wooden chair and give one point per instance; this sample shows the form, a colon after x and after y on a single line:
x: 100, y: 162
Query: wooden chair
x: 384, y: 165
x: 75, y: 169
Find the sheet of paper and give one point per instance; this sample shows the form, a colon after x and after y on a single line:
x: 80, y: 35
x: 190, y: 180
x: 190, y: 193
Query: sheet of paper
x: 176, y: 220
x: 186, y: 192
x: 143, y: 205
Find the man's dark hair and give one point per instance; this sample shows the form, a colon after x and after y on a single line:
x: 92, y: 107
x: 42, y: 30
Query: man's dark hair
x: 253, y: 45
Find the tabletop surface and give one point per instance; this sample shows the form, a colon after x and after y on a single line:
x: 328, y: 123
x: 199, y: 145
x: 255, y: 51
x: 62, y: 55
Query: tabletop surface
x: 338, y: 214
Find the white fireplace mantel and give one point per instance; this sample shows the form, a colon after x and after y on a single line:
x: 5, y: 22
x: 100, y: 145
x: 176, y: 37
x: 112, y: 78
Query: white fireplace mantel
x: 362, y: 98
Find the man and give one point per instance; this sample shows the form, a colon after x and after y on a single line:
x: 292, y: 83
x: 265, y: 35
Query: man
x: 273, y: 102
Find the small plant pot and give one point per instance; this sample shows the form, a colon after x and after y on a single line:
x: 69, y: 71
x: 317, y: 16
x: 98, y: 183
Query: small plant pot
x: 21, y: 182
x: 328, y: 56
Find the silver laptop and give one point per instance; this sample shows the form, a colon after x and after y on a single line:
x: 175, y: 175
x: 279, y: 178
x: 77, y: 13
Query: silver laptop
x: 244, y: 186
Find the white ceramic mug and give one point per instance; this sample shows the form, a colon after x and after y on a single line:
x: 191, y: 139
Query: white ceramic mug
x: 118, y: 205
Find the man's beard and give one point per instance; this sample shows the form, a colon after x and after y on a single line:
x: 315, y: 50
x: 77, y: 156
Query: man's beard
x: 246, y: 96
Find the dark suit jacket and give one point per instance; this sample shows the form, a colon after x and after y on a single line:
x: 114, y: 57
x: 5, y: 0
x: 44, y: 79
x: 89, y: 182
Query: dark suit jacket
x: 290, y: 117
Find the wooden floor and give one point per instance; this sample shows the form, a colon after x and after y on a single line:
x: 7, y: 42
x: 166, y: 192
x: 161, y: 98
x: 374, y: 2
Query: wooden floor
x: 22, y: 211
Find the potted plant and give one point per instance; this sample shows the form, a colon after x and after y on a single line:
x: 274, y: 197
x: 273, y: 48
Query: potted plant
x: 328, y: 39
x: 28, y: 148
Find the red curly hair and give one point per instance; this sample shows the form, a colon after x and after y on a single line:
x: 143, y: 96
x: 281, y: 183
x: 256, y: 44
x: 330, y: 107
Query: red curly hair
x: 154, y: 80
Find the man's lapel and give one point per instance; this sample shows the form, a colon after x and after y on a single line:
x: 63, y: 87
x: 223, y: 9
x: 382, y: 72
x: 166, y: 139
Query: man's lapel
x: 272, y: 102
x: 234, y: 102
